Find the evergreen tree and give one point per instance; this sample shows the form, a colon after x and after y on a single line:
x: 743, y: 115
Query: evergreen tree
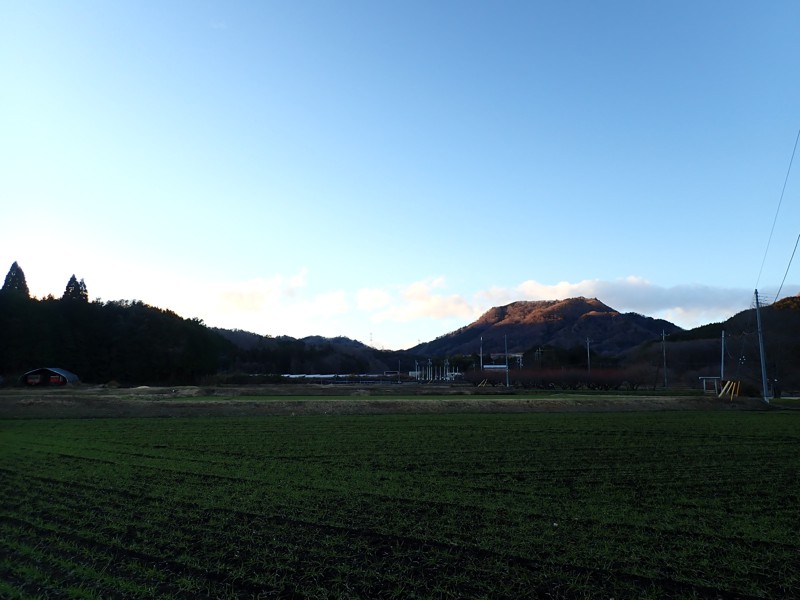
x: 76, y: 290
x: 15, y: 282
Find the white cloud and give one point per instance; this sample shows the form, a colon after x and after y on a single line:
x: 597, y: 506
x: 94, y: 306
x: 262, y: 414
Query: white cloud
x: 369, y: 299
x: 259, y: 294
x: 419, y: 300
x: 297, y: 281
x: 325, y: 305
x: 280, y: 305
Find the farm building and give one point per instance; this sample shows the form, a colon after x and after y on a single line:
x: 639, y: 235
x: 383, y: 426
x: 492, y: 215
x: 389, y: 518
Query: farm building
x: 49, y: 376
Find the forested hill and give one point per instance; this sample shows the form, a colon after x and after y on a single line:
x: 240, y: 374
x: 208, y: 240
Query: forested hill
x: 132, y: 343
x: 122, y: 341
x: 256, y: 354
x: 565, y: 323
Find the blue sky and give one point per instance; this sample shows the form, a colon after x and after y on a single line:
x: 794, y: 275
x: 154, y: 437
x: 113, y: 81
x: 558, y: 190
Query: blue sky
x: 390, y: 170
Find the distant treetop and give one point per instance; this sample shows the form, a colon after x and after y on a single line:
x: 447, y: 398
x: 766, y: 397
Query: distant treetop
x: 76, y: 290
x: 15, y: 282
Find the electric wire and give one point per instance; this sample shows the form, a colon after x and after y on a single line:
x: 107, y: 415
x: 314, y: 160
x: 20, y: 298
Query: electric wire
x: 780, y: 201
x: 787, y: 268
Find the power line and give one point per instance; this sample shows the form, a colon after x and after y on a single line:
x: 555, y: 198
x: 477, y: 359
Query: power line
x: 787, y: 268
x: 780, y: 201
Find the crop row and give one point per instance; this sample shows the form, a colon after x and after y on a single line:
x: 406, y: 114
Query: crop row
x: 628, y: 505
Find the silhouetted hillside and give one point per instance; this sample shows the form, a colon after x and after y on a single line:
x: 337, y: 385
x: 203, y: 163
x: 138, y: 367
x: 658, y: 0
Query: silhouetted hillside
x: 699, y: 352
x: 314, y: 354
x: 127, y: 342
x: 558, y: 323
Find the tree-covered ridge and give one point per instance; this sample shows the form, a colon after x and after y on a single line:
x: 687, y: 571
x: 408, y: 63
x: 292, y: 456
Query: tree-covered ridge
x: 128, y: 342
x: 123, y: 341
x: 132, y: 343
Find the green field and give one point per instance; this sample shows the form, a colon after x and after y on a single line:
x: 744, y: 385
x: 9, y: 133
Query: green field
x: 683, y: 504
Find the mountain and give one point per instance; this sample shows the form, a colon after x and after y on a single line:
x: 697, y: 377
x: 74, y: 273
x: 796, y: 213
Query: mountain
x: 312, y: 354
x: 558, y: 323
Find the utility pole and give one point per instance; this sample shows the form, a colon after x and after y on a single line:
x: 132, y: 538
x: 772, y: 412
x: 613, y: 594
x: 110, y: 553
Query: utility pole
x: 722, y: 359
x: 664, y: 352
x: 761, y: 352
x: 588, y: 357
x: 505, y: 339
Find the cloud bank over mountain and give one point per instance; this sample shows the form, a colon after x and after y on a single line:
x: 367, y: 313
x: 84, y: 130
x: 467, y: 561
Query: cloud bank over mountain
x: 402, y: 314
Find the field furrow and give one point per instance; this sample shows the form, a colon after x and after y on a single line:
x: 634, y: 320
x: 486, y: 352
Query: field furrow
x: 682, y: 505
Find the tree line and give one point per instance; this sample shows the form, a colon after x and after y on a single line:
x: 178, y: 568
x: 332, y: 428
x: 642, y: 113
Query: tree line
x: 133, y: 343
x: 124, y: 341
